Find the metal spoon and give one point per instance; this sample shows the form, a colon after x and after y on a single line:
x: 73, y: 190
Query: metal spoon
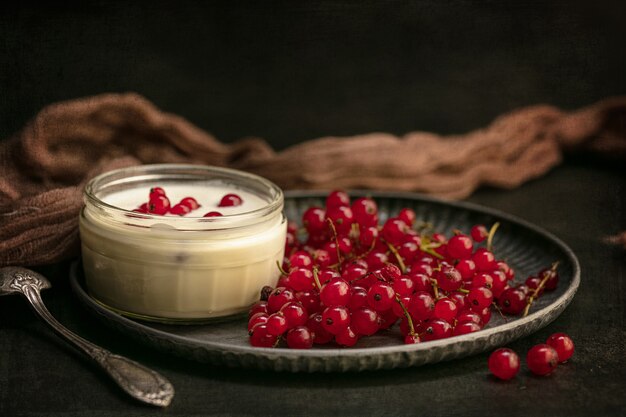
x: 140, y: 382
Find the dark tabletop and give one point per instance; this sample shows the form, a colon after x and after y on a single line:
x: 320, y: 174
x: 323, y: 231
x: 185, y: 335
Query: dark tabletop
x: 289, y: 73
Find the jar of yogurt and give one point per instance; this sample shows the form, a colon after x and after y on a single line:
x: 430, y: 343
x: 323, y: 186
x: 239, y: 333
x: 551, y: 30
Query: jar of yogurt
x: 175, y: 268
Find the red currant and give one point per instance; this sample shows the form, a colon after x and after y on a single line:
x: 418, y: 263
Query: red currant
x: 334, y: 319
x: 380, y: 296
x: 320, y: 335
x: 479, y: 233
x: 276, y: 324
x: 542, y: 359
x: 335, y: 293
x: 465, y: 328
x: 160, y: 204
x: 445, y: 309
x: 364, y: 321
x: 365, y: 211
x: 460, y: 247
x: 504, y: 363
x: 421, y: 306
x: 180, y: 209
x: 230, y: 200
x: 436, y: 329
x: 213, y: 214
x: 295, y: 314
x: 260, y: 337
x: 408, y: 216
x: 563, y: 345
x: 512, y: 301
x: 479, y: 298
x: 190, y: 202
x: 336, y: 199
x: 299, y: 338
x: 346, y: 337
x: 278, y: 298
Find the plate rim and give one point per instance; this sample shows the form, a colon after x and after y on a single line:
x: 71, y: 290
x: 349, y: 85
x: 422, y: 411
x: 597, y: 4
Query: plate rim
x: 554, y: 308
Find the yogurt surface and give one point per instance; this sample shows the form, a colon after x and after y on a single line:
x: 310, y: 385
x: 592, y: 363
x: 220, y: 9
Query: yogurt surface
x: 207, y: 195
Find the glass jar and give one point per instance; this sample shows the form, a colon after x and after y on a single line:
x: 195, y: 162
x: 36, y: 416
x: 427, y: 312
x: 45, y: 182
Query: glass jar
x: 180, y: 268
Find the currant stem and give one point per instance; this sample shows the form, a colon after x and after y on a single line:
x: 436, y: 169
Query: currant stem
x: 536, y: 291
x: 492, y: 232
x: 499, y: 311
x: 463, y: 290
x: 429, y: 250
x: 422, y: 227
x: 397, y: 255
x: 409, y: 320
x: 316, y: 278
x: 332, y: 226
x: 433, y: 282
x: 280, y: 268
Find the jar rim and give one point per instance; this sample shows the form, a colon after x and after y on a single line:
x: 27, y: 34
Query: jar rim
x: 227, y: 221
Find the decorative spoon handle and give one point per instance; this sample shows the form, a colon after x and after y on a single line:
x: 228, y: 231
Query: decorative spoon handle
x: 140, y: 382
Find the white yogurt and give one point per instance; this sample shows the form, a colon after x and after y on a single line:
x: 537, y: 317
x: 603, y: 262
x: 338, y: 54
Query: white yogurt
x: 174, y: 268
x: 208, y: 195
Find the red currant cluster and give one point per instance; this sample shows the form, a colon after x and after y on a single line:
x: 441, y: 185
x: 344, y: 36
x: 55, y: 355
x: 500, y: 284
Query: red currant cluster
x: 541, y: 359
x: 159, y: 203
x: 353, y: 277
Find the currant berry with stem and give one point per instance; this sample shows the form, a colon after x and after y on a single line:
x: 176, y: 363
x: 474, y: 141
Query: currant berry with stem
x: 535, y: 293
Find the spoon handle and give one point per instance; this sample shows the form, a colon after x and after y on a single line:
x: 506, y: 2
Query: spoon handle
x: 140, y: 382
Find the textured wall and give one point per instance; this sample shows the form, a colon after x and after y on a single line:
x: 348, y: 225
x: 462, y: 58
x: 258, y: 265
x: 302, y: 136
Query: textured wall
x: 290, y: 71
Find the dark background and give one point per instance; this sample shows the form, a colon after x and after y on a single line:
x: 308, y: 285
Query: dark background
x: 292, y: 71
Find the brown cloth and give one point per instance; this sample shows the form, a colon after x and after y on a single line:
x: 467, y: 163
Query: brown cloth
x: 44, y: 168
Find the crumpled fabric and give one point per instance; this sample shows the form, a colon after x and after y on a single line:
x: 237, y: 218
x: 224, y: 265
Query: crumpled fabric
x: 44, y: 168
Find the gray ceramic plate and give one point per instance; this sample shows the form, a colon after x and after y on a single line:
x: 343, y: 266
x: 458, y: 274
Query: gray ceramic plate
x: 526, y: 247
